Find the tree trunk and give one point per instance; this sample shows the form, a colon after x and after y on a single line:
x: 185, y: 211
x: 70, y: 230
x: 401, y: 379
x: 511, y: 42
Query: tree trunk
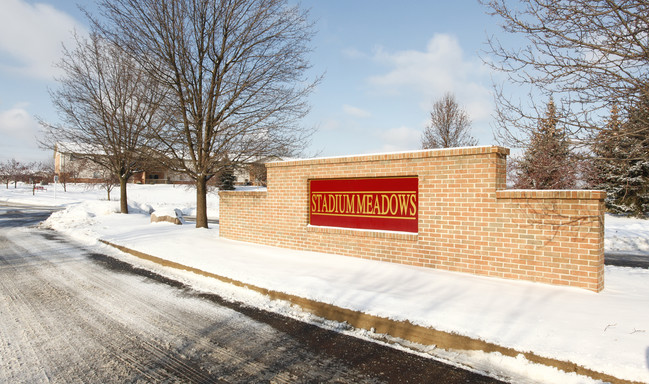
x: 201, y: 202
x: 123, y: 202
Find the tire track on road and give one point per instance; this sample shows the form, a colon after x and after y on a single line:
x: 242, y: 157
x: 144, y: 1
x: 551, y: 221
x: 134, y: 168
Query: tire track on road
x: 35, y: 336
x: 97, y: 311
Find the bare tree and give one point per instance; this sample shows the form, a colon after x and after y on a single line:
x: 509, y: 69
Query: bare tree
x: 4, y: 173
x: 15, y: 171
x: 69, y: 171
x: 43, y: 171
x: 449, y: 126
x: 258, y: 173
x: 236, y: 69
x: 11, y: 171
x: 39, y: 173
x: 110, y: 109
x: 588, y: 54
x: 108, y: 181
x: 65, y: 174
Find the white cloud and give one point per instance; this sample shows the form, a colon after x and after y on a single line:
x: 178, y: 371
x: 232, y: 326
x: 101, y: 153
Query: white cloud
x: 400, y: 139
x: 356, y: 112
x: 442, y: 67
x: 31, y: 36
x: 353, y: 53
x: 329, y: 125
x: 17, y: 124
x: 18, y: 130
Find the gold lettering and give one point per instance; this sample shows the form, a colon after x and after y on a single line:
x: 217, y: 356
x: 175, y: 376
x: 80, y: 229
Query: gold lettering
x: 413, y: 204
x: 332, y: 204
x: 361, y: 204
x: 395, y: 205
x: 317, y: 200
x: 385, y: 204
x: 371, y: 203
x: 324, y: 207
x: 403, y: 204
x: 368, y: 203
x: 350, y: 203
x: 340, y: 203
x: 377, y: 206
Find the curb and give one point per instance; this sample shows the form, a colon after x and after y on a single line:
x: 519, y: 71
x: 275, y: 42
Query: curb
x: 399, y: 329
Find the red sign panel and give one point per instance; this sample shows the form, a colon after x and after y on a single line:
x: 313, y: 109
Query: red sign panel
x: 389, y: 204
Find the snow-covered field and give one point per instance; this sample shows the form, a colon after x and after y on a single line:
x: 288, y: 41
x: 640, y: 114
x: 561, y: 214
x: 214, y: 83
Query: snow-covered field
x: 606, y: 332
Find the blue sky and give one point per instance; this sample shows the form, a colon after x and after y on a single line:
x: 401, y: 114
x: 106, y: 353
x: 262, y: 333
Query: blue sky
x: 385, y: 63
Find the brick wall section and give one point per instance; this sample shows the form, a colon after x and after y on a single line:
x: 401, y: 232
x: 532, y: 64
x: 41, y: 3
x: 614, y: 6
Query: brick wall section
x: 557, y: 233
x: 468, y: 222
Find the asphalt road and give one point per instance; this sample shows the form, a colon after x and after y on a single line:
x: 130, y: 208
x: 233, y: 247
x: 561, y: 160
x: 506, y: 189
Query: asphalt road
x: 69, y: 314
x: 627, y: 260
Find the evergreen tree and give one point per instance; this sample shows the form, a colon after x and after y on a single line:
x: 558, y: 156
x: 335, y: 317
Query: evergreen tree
x: 620, y: 162
x: 548, y: 162
x: 227, y: 178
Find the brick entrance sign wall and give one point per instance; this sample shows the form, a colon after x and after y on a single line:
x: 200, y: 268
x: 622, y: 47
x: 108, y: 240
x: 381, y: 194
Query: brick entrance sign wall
x: 464, y: 218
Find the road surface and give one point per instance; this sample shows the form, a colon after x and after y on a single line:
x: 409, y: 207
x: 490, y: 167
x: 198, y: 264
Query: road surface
x: 72, y: 315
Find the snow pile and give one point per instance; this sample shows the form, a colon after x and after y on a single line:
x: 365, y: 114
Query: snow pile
x: 607, y: 331
x: 626, y: 235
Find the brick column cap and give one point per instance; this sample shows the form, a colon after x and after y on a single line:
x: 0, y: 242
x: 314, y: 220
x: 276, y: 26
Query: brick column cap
x: 444, y: 152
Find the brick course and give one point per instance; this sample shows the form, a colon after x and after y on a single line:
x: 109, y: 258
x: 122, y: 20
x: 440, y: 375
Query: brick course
x: 468, y: 222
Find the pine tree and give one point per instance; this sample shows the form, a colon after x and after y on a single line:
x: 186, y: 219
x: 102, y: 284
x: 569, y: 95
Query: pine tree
x: 548, y: 162
x: 227, y: 178
x: 620, y: 162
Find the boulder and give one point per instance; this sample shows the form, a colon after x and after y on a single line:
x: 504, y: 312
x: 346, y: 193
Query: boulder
x: 174, y: 216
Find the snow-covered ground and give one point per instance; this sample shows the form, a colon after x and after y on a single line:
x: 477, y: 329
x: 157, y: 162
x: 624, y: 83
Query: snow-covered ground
x: 606, y: 331
x: 627, y: 236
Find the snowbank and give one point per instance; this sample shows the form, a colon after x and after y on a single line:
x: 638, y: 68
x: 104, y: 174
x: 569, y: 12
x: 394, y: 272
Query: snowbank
x: 626, y: 235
